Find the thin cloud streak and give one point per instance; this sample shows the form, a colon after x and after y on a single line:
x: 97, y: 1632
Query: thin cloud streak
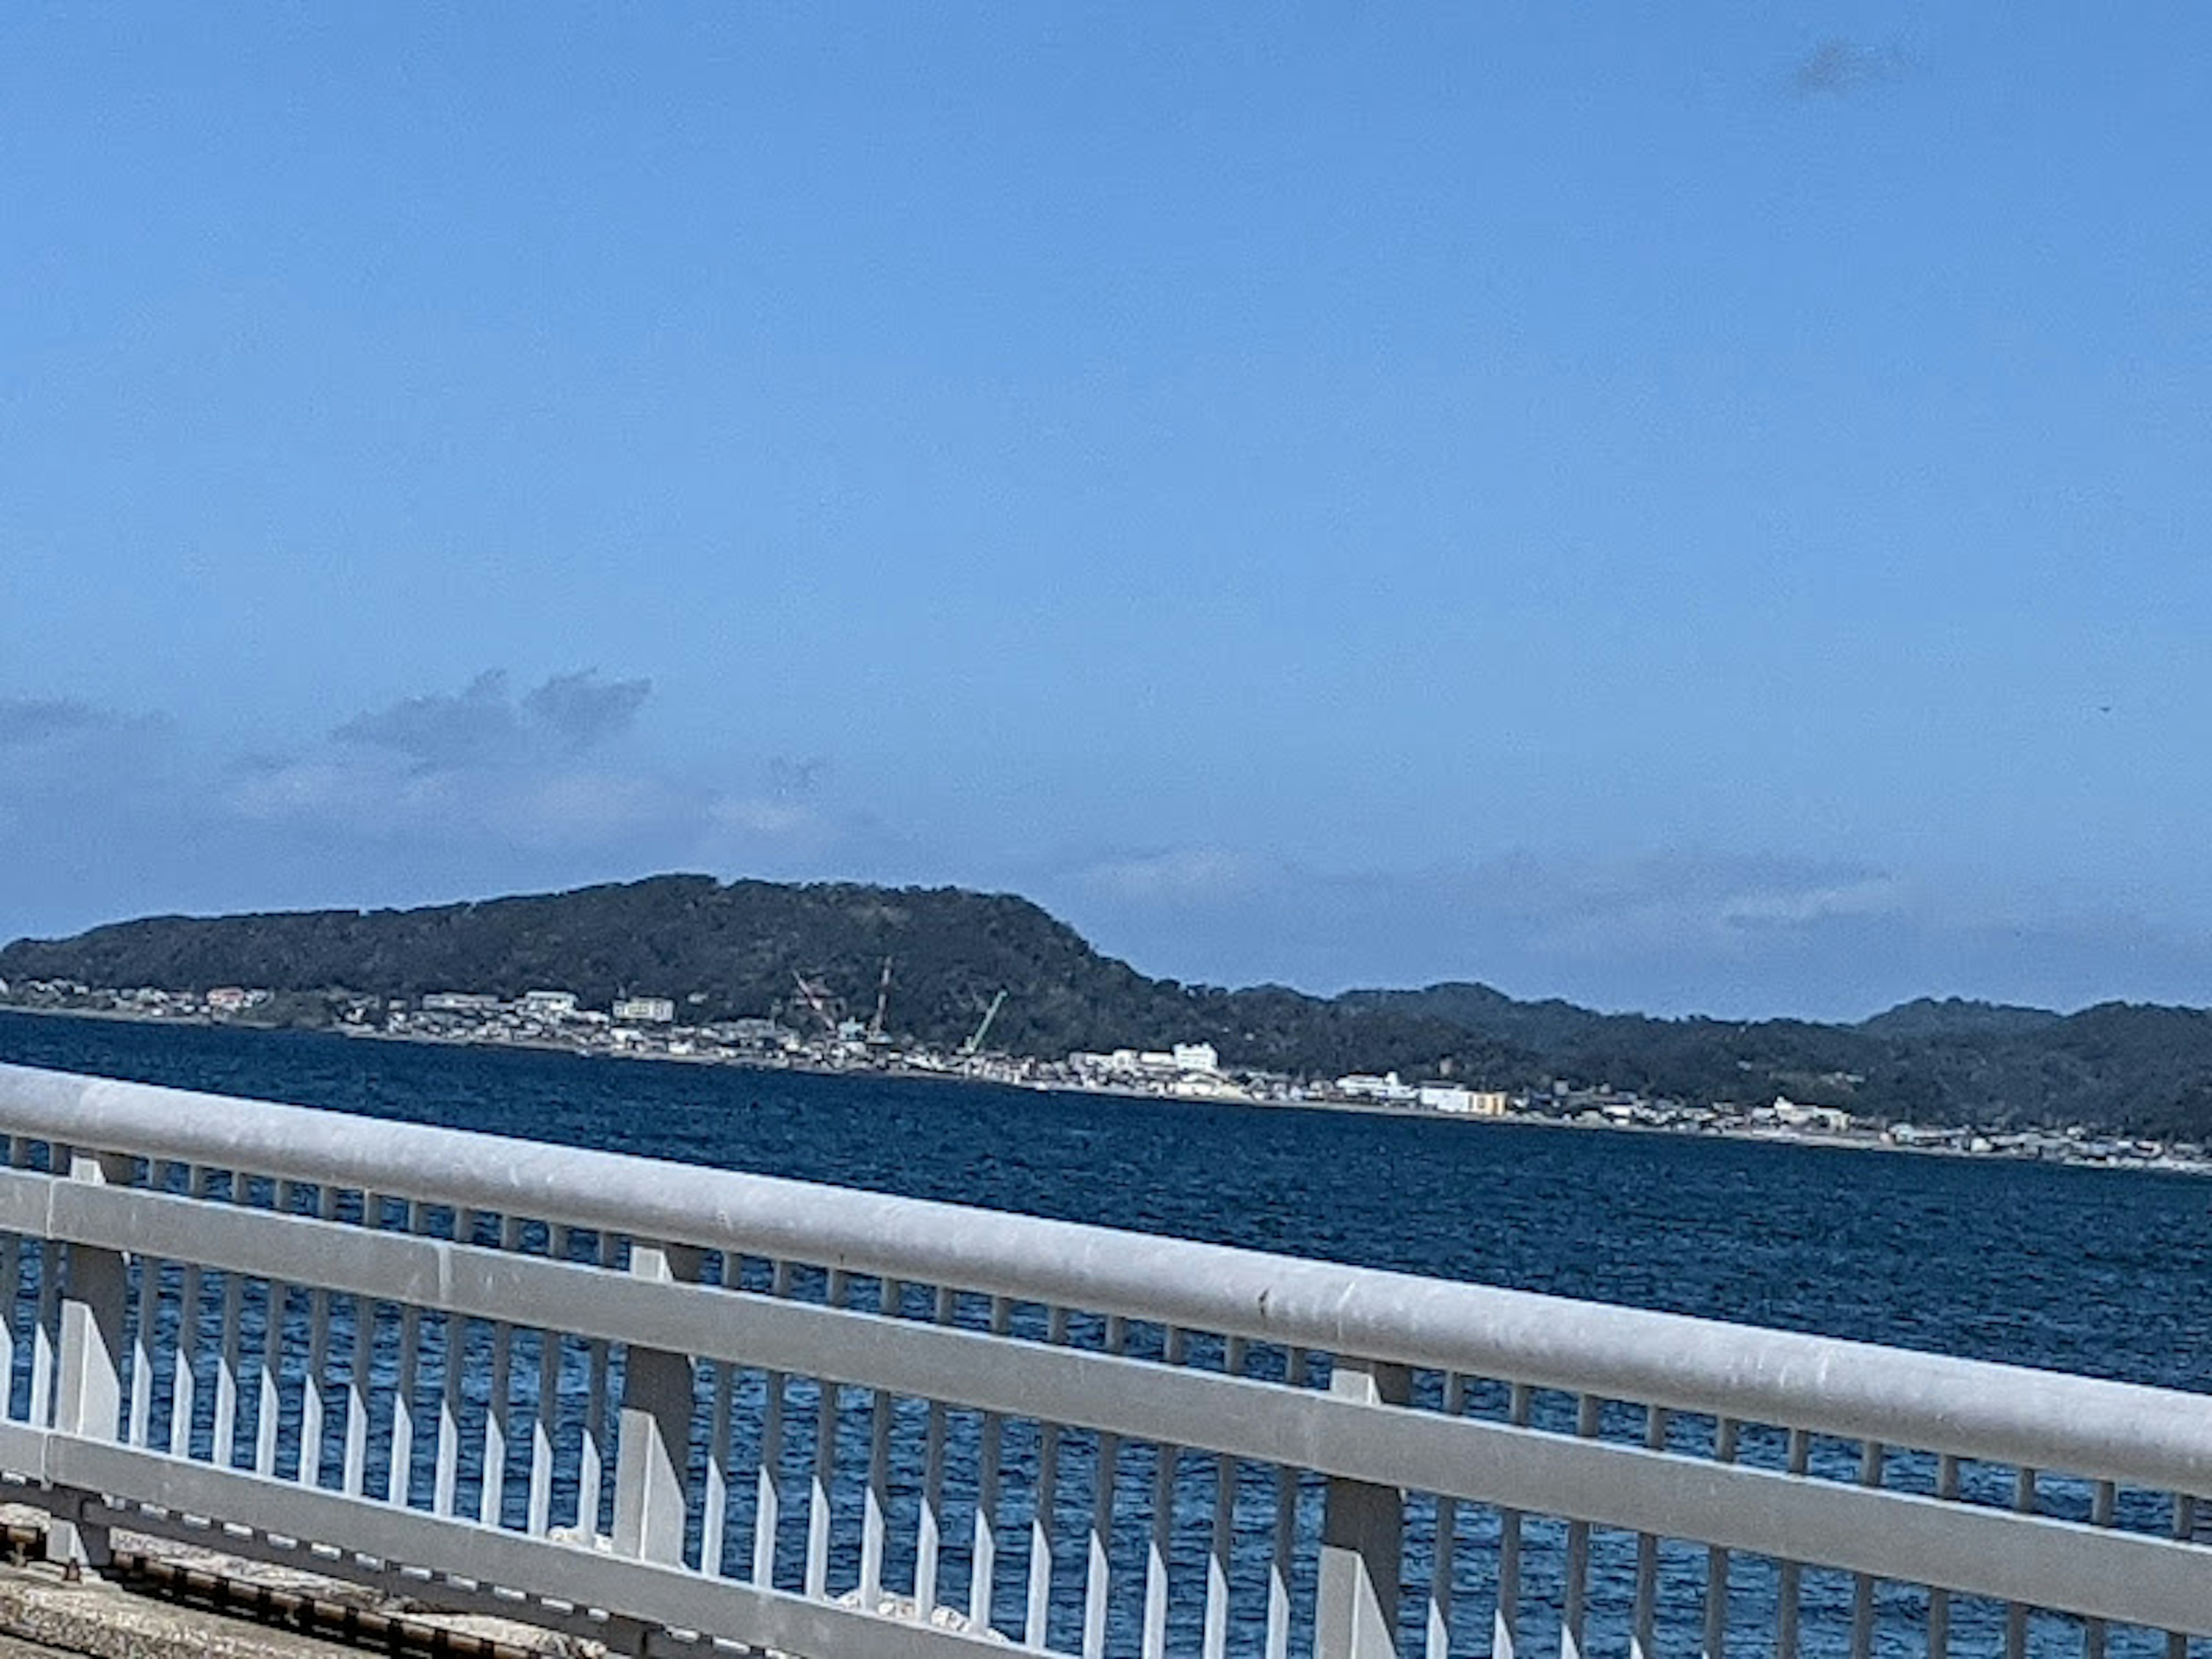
x: 28, y: 721
x: 582, y: 711
x: 1838, y: 68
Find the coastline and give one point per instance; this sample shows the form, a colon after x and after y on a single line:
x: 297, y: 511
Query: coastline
x: 1873, y: 1141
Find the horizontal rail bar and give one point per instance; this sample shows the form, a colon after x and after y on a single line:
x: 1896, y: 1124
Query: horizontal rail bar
x: 2088, y: 1570
x: 1973, y: 1409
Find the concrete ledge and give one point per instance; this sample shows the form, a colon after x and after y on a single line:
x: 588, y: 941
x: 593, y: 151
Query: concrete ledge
x: 103, y: 1619
x: 165, y: 1601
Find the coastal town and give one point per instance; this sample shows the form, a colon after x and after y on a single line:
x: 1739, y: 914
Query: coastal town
x: 650, y: 1028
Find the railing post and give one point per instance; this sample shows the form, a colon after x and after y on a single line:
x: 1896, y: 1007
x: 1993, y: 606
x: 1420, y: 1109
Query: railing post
x: 656, y: 1428
x: 1362, y: 1532
x: 89, y: 1398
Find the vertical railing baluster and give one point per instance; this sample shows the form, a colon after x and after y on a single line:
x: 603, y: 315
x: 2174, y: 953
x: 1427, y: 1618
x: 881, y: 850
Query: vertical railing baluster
x: 353, y: 1475
x: 1443, y: 1555
x: 1640, y: 1643
x: 499, y: 1405
x: 1043, y: 1529
x: 12, y: 1260
x: 591, y: 1446
x: 875, y: 1518
x: 1505, y: 1622
x: 1166, y: 1463
x: 2103, y: 1500
x: 1275, y: 1640
x: 1214, y: 1644
x: 452, y: 1348
x: 1872, y: 1461
x: 562, y: 1244
x: 142, y: 1348
x: 2023, y: 1502
x: 275, y: 1302
x: 768, y: 1502
x: 45, y: 1314
x: 184, y: 1370
x: 1790, y: 1579
x: 399, y: 1476
x: 1714, y: 1645
x: 11, y: 1293
x: 1165, y: 1459
x: 984, y: 1556
x: 1098, y: 1545
x: 232, y: 1319
x: 1938, y: 1599
x: 819, y: 1481
x: 1573, y: 1617
x: 399, y: 1468
x: 1282, y: 1546
x: 314, y: 1401
x: 827, y: 1397
x: 768, y: 1499
x: 2185, y: 1528
x: 543, y: 1422
x: 929, y: 1539
x: 715, y: 1506
x: 453, y: 1333
x: 268, y: 1403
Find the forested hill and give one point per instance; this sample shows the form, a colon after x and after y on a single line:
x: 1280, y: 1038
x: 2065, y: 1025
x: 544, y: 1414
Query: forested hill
x: 2118, y: 1065
x: 732, y: 950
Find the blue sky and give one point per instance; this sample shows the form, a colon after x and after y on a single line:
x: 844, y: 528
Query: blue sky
x: 1703, y: 509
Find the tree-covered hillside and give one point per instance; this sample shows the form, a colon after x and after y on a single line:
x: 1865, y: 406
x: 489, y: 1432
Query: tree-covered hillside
x: 725, y: 950
x: 2123, y: 1065
x: 730, y: 949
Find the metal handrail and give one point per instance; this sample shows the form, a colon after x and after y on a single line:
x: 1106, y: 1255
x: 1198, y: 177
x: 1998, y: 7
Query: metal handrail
x: 2032, y: 1417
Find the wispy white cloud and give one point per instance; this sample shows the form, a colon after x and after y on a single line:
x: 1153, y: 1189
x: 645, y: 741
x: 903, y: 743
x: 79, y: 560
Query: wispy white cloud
x: 582, y: 710
x: 476, y: 725
x: 483, y: 725
x: 1708, y: 904
x: 765, y: 815
x: 480, y: 764
x: 1175, y: 875
x: 1805, y: 906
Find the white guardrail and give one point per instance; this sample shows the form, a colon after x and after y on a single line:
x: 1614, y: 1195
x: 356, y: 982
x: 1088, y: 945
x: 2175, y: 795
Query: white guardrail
x: 660, y: 1405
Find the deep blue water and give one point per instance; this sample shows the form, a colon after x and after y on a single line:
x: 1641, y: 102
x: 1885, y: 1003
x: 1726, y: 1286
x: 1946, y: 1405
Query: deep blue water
x: 2102, y: 1272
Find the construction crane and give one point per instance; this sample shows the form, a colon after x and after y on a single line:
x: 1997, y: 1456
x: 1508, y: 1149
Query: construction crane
x: 990, y: 1013
x: 817, y: 997
x: 883, y: 996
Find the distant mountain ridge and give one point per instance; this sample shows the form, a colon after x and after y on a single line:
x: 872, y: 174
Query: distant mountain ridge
x: 1957, y: 1016
x: 726, y: 950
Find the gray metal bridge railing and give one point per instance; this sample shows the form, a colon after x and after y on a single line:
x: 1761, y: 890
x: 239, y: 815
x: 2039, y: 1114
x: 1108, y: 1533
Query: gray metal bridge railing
x: 661, y: 1405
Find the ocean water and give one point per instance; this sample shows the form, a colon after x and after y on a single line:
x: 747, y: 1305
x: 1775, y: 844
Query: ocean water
x: 2102, y: 1272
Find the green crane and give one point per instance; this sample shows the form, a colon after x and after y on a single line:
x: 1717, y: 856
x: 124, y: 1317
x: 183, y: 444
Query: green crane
x: 990, y: 1013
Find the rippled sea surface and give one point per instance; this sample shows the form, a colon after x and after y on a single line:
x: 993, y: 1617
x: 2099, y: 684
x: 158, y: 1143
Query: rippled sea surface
x: 2094, y: 1271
